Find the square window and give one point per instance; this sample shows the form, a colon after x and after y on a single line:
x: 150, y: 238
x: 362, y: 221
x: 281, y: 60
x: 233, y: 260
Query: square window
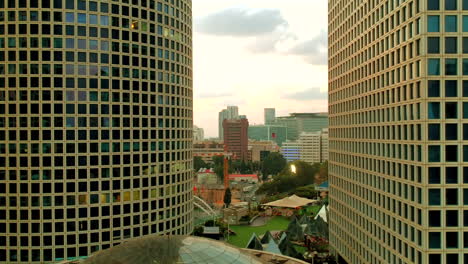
x: 451, y: 45
x: 433, y: 45
x: 451, y: 218
x: 434, y: 131
x: 435, y: 259
x: 434, y: 175
x: 434, y: 153
x: 465, y: 44
x: 433, y: 67
x: 434, y: 240
x: 465, y: 196
x: 451, y: 131
x: 450, y: 4
x: 451, y: 109
x: 433, y: 24
x: 465, y: 23
x: 451, y: 175
x: 450, y: 23
x: 465, y: 110
x: 433, y: 88
x: 433, y: 110
x: 433, y: 5
x: 452, y: 242
x: 434, y: 219
x: 451, y: 153
x: 450, y: 66
x: 451, y: 88
x: 465, y: 153
x: 451, y: 196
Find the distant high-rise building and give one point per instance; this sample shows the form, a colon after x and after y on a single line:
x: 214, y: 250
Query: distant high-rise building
x: 95, y: 140
x: 302, y: 122
x: 236, y: 137
x: 274, y: 133
x: 310, y: 147
x: 269, y: 115
x: 313, y: 147
x: 231, y: 112
x: 398, y: 151
x: 198, y: 134
x: 291, y: 151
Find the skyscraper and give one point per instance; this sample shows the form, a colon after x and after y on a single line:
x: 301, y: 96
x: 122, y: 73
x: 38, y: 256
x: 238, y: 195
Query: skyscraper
x: 269, y: 115
x: 231, y: 112
x: 397, y: 130
x: 198, y: 133
x: 302, y: 122
x: 236, y: 138
x: 96, y: 117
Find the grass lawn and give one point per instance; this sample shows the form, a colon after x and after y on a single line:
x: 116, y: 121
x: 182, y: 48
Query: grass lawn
x: 243, y: 233
x: 313, y: 210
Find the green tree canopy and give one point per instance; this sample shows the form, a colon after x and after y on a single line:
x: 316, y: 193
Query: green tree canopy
x: 273, y: 164
x: 227, y: 197
x: 198, y: 163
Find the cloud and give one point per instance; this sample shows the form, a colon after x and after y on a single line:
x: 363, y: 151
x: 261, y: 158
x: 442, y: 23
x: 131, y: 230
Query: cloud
x: 238, y: 22
x: 314, y: 51
x: 309, y: 94
x: 213, y: 95
x: 268, y: 43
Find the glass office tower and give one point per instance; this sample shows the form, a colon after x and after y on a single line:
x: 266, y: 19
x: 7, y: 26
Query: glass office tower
x: 96, y: 125
x: 398, y: 130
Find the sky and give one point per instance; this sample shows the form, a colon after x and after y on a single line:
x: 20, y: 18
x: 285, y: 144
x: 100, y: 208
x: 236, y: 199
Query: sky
x: 258, y: 54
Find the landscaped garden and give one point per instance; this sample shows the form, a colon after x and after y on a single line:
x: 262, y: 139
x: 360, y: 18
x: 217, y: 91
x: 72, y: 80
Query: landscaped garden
x: 243, y: 233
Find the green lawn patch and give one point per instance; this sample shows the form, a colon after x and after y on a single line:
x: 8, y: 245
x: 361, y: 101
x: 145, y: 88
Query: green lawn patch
x: 243, y: 233
x: 313, y: 209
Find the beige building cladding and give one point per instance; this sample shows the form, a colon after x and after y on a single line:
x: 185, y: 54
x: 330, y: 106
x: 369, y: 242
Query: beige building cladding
x: 96, y: 125
x: 313, y: 147
x: 397, y: 108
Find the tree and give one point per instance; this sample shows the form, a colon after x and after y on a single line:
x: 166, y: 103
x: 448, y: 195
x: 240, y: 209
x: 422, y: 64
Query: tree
x: 305, y: 173
x: 273, y: 164
x: 322, y: 175
x: 227, y: 197
x: 198, y: 163
x: 306, y: 191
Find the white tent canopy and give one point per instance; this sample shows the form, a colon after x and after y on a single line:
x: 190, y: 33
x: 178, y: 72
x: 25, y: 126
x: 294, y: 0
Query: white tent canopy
x: 293, y: 201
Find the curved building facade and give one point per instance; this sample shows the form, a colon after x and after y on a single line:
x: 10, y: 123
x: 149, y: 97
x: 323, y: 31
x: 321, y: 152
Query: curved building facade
x: 95, y: 125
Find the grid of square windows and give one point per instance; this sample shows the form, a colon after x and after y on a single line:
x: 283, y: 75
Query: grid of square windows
x: 396, y: 93
x: 96, y: 117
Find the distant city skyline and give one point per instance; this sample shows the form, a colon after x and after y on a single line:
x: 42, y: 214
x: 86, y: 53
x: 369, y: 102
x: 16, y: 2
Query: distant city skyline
x: 278, y: 60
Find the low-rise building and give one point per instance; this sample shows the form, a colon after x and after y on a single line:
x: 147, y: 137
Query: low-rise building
x: 243, y: 177
x: 208, y: 149
x: 259, y: 150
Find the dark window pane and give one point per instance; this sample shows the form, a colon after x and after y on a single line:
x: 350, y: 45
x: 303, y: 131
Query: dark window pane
x: 434, y: 131
x: 451, y: 88
x: 451, y: 196
x: 451, y: 110
x: 451, y: 45
x: 451, y: 175
x: 433, y: 88
x: 434, y: 239
x: 434, y: 218
x: 451, y: 131
x: 433, y: 4
x: 434, y: 175
x: 452, y: 217
x: 450, y: 5
x: 434, y: 196
x: 433, y: 45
